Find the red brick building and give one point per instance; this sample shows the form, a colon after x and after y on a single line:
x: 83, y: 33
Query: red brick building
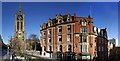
x: 102, y: 45
x: 67, y: 33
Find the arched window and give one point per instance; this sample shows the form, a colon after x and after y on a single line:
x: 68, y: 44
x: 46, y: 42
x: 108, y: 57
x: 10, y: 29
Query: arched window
x: 21, y: 25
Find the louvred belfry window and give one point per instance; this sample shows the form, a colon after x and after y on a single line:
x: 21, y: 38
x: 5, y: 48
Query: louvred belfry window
x: 21, y: 25
x: 17, y: 25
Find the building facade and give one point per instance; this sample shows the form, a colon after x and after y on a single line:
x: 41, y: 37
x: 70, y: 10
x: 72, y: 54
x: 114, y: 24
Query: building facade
x: 114, y: 54
x: 19, y: 33
x: 2, y: 45
x: 111, y: 45
x: 102, y: 44
x: 67, y: 33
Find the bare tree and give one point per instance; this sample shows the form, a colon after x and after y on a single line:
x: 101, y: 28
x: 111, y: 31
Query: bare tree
x: 33, y: 38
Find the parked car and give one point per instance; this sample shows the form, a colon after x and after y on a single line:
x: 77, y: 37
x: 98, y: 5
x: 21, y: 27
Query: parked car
x: 59, y: 55
x: 69, y: 55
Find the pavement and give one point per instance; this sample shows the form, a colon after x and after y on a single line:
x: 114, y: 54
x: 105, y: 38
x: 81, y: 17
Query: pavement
x: 40, y: 58
x: 10, y: 56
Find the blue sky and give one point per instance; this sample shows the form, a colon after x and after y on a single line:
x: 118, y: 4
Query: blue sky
x: 105, y: 14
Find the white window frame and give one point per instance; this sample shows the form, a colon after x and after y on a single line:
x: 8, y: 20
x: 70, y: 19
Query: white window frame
x: 48, y: 40
x: 68, y: 38
x: 48, y: 23
x: 84, y: 30
x: 68, y: 27
x: 85, y: 49
x: 59, y: 29
x: 48, y: 31
x: 84, y: 23
x: 67, y: 48
x: 60, y: 20
x: 68, y: 18
x: 60, y: 36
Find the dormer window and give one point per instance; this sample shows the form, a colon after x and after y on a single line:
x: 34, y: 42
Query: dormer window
x: 60, y: 20
x: 84, y: 23
x: 68, y: 19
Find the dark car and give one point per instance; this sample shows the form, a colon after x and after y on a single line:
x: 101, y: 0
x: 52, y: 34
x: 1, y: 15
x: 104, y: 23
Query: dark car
x: 69, y: 55
x: 59, y: 55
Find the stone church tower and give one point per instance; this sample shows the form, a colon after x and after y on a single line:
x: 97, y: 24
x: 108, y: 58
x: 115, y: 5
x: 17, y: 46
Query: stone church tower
x: 19, y: 33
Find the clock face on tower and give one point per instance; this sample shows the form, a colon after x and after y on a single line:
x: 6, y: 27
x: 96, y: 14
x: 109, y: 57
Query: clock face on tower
x: 19, y: 34
x: 19, y: 17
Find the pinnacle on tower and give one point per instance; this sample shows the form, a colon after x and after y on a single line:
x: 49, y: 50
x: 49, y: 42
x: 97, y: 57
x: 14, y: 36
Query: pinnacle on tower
x: 20, y: 8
